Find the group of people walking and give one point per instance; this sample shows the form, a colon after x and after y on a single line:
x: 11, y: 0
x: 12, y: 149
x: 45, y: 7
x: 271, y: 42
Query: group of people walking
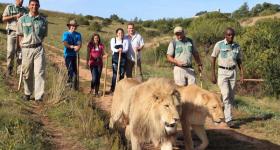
x: 27, y: 30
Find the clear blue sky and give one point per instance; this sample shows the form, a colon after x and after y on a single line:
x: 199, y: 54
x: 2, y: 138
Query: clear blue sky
x: 144, y: 9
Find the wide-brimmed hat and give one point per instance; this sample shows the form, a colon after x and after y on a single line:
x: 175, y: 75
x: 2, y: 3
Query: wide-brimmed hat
x: 178, y: 29
x: 72, y: 23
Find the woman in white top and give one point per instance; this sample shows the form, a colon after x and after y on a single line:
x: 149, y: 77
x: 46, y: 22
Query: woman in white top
x: 118, y: 45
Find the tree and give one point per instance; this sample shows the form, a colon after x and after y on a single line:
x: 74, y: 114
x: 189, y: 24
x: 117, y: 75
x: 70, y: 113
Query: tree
x: 242, y: 12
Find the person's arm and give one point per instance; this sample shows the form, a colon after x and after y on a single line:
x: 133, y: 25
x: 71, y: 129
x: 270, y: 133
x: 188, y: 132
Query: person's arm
x: 7, y: 17
x: 112, y: 44
x: 214, y: 55
x: 125, y: 46
x: 170, y: 55
x: 239, y: 63
x: 197, y: 59
x: 79, y: 44
x: 141, y: 43
x: 213, y: 66
x: 19, y: 33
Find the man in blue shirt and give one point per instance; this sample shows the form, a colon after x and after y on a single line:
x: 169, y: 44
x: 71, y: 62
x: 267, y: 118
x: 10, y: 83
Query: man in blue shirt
x: 72, y: 41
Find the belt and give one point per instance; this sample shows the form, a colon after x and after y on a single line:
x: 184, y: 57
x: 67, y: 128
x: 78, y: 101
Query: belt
x: 32, y: 45
x: 188, y: 66
x: 228, y: 68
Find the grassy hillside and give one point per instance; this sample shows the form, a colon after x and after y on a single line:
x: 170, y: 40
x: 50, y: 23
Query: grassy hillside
x: 258, y: 117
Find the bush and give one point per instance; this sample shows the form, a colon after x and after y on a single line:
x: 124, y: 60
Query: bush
x: 95, y: 26
x: 82, y: 20
x: 261, y: 51
x: 106, y: 22
x: 210, y: 27
x: 89, y: 17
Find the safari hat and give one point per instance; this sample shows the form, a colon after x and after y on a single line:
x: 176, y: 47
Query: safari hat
x: 72, y: 23
x: 178, y: 29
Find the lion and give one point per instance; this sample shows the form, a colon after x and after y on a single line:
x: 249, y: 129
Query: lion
x: 120, y: 102
x: 153, y: 109
x: 197, y: 105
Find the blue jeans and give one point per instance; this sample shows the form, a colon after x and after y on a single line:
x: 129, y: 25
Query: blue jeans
x: 96, y: 75
x: 115, y: 59
x: 71, y: 65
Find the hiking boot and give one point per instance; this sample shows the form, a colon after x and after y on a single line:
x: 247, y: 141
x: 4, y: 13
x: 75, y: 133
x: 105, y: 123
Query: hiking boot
x: 10, y: 71
x: 231, y: 124
x: 26, y: 97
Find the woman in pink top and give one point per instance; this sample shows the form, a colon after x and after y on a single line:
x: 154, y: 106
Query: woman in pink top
x: 95, y: 55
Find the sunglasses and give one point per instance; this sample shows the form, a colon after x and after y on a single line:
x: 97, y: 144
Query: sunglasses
x: 178, y: 33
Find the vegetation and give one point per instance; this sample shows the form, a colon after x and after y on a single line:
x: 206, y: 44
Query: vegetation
x: 210, y: 27
x: 95, y: 26
x: 261, y: 49
x: 258, y: 10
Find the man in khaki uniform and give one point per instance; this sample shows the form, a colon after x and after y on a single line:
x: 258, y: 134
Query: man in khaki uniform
x: 229, y: 56
x: 180, y: 52
x: 32, y: 29
x: 11, y: 15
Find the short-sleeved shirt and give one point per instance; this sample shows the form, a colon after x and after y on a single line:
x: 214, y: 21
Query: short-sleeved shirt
x: 72, y: 38
x: 11, y: 10
x: 227, y: 54
x: 182, y: 50
x: 33, y: 29
x: 135, y: 41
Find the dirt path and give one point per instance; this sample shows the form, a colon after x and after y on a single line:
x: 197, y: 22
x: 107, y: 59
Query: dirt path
x: 234, y: 136
x: 59, y: 136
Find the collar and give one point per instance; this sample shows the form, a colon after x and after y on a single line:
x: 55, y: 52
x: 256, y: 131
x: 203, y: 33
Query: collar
x: 226, y: 42
x: 33, y: 16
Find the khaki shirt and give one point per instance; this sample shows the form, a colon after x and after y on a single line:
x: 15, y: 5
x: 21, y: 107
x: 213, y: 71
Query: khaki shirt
x: 11, y: 10
x: 227, y: 54
x: 33, y: 29
x: 183, y: 50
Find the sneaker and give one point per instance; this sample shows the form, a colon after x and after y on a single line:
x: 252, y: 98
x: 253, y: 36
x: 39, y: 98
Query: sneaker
x: 38, y: 101
x: 231, y: 124
x: 10, y: 71
x: 26, y: 97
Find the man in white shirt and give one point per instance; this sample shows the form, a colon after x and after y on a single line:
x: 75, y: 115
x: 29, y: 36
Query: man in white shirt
x: 136, y: 44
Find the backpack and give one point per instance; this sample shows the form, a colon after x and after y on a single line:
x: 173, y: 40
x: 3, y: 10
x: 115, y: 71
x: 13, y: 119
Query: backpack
x: 174, y: 45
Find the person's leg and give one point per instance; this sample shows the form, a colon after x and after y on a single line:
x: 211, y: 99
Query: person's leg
x: 139, y: 65
x: 179, y: 76
x: 129, y: 68
x: 94, y: 77
x: 69, y: 71
x: 27, y: 70
x: 75, y: 73
x: 122, y: 66
x: 99, y: 72
x: 39, y: 73
x: 232, y: 81
x: 190, y: 75
x: 223, y: 84
x: 114, y: 67
x: 11, y: 50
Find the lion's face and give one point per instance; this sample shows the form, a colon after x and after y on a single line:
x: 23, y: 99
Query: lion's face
x: 215, y: 107
x: 166, y: 111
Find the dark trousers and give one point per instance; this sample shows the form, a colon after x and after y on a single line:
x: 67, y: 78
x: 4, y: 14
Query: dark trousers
x: 115, y: 58
x: 96, y: 75
x: 71, y: 65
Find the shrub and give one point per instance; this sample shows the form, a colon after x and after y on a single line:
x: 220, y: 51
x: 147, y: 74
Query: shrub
x: 95, y: 26
x: 210, y: 27
x: 89, y: 17
x: 106, y: 22
x: 261, y: 51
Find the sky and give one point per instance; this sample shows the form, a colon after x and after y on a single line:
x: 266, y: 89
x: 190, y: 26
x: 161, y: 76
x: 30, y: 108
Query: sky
x: 143, y: 9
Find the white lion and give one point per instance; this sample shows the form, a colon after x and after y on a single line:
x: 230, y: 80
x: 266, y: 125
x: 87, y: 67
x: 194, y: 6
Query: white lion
x: 152, y: 112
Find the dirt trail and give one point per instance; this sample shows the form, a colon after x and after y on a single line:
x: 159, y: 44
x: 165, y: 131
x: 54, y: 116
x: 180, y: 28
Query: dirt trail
x: 59, y: 136
x: 235, y: 135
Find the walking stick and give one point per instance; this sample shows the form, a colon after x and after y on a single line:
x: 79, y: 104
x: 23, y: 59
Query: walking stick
x: 105, y: 77
x: 200, y: 77
x: 136, y: 63
x: 78, y: 70
x: 119, y: 63
x: 20, y: 78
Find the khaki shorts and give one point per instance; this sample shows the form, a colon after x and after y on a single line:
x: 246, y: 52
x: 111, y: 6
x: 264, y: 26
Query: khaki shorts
x: 184, y: 76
